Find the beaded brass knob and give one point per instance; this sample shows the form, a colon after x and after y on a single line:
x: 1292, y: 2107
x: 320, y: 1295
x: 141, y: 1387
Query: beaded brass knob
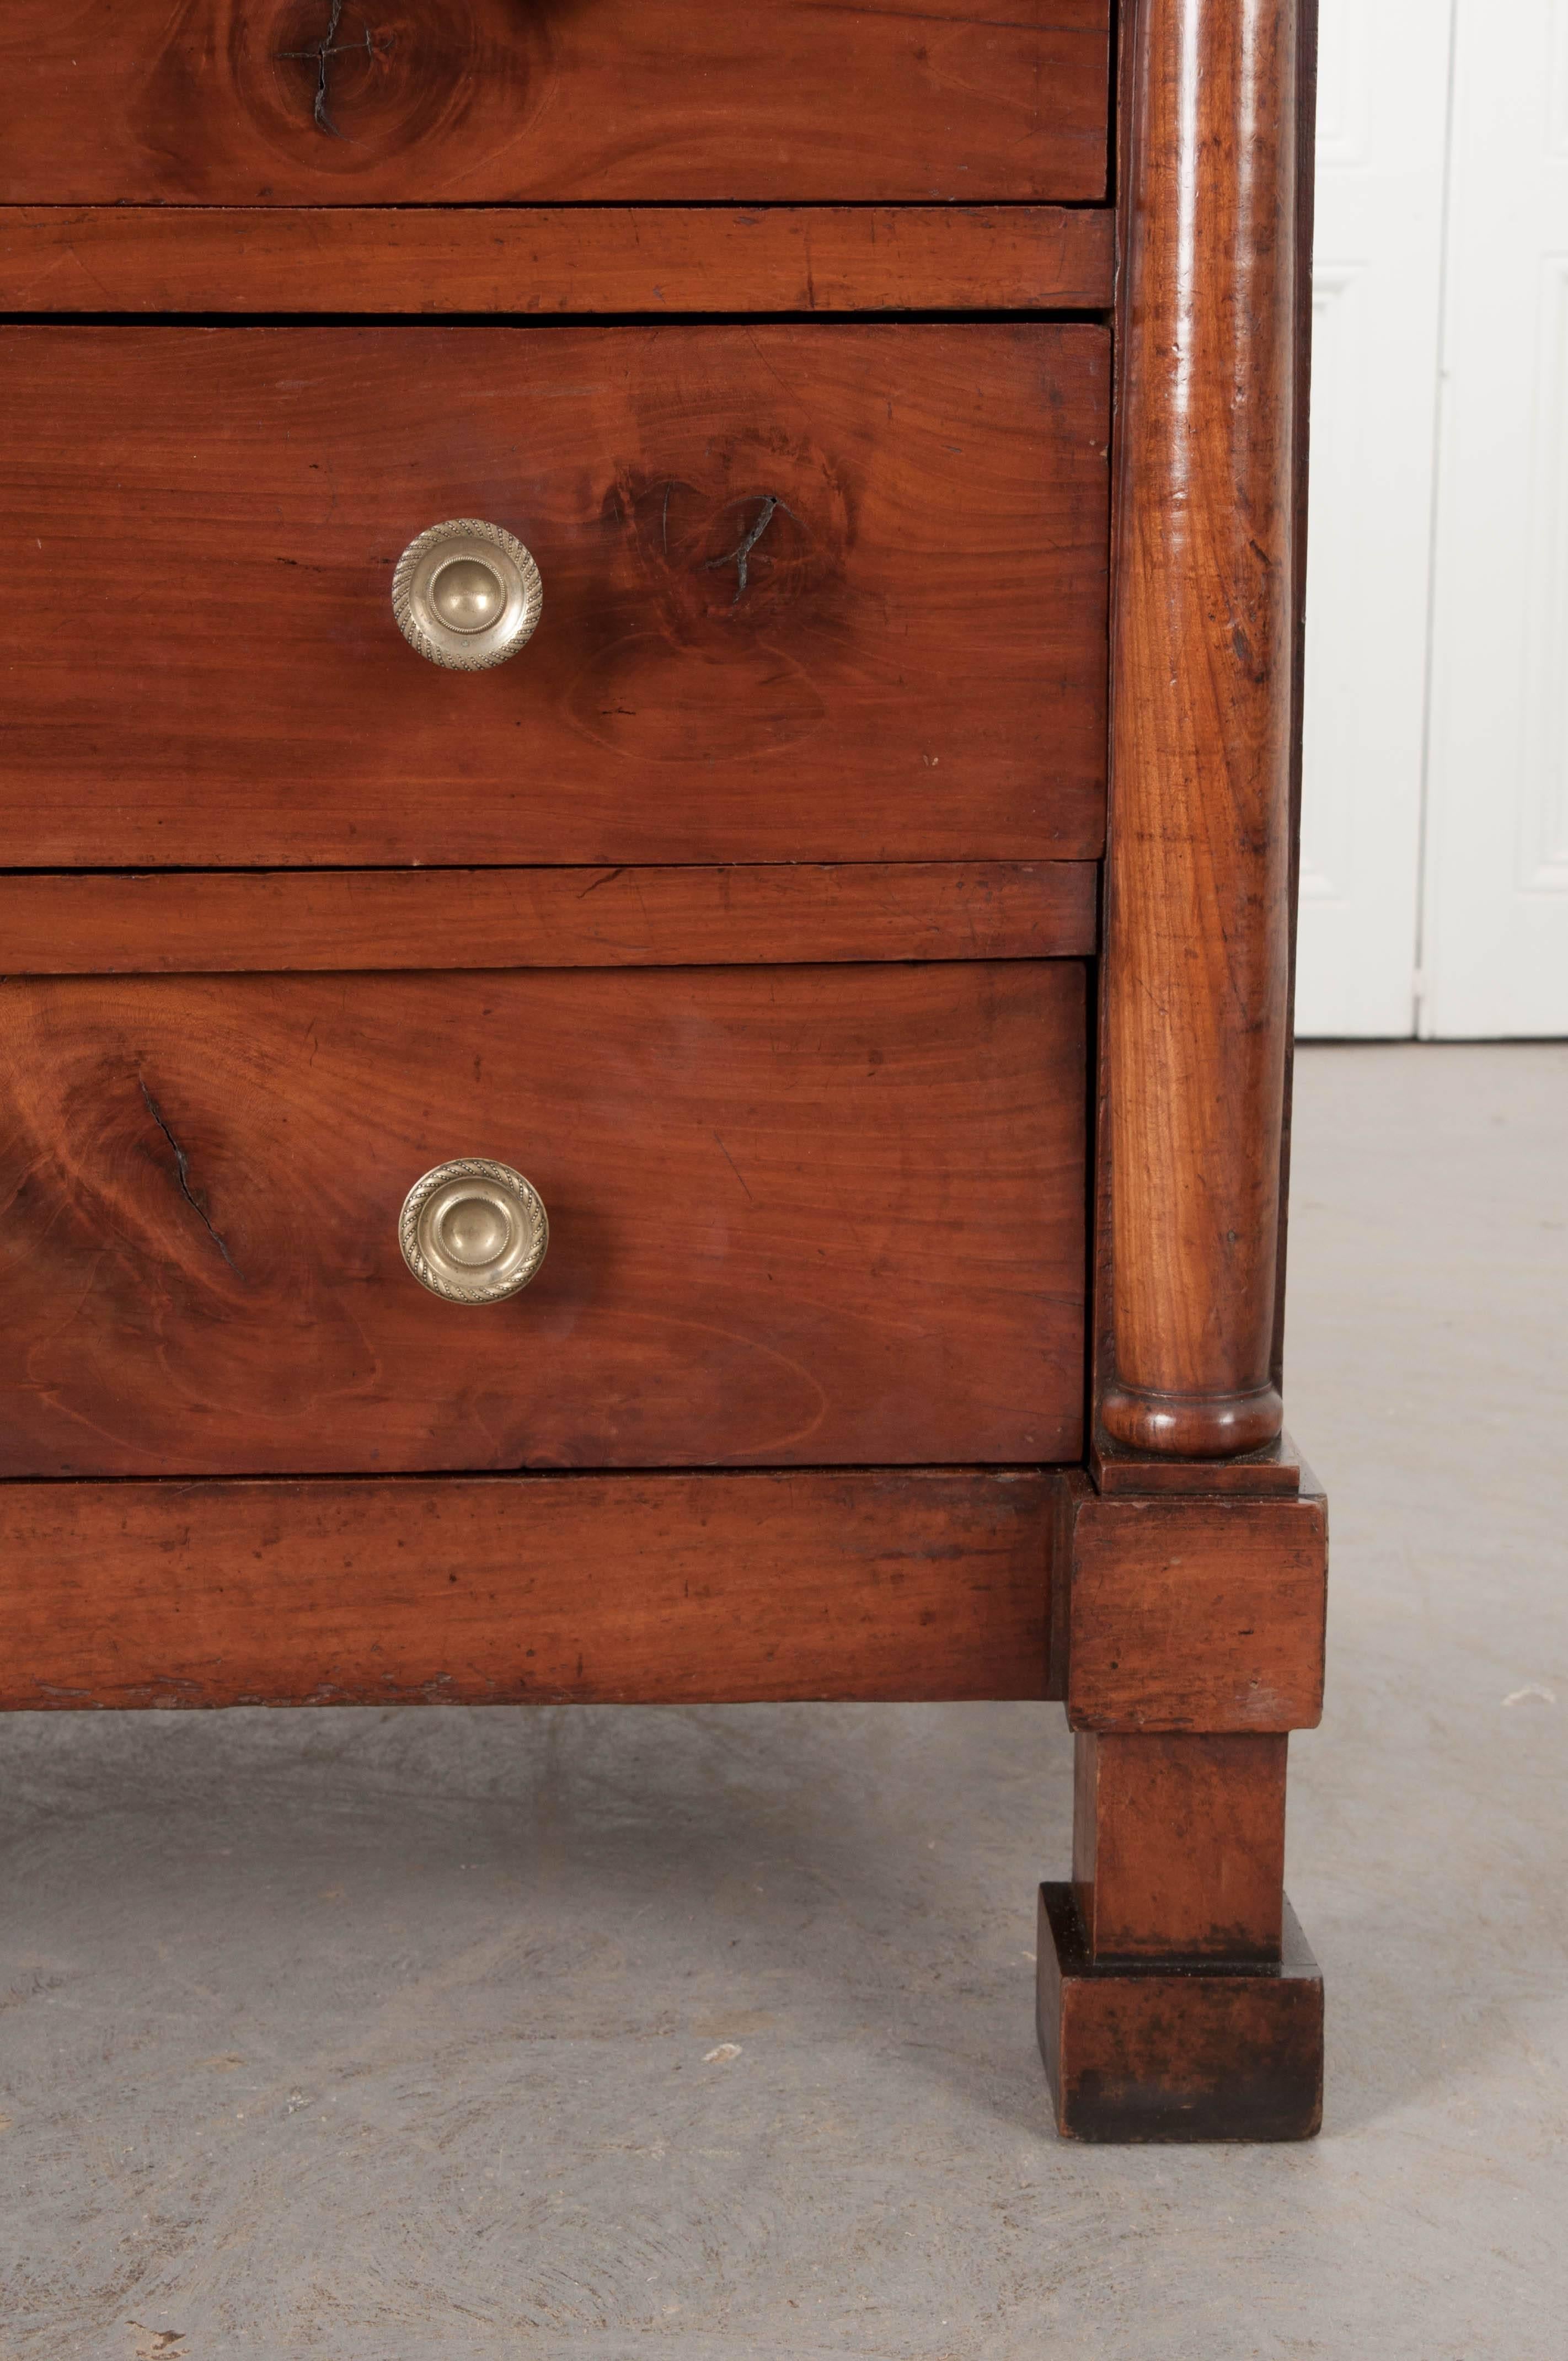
x: 473, y: 1231
x: 467, y: 595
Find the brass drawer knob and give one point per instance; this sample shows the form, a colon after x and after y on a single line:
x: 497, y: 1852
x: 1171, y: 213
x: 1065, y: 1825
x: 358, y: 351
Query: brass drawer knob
x: 467, y: 595
x: 473, y: 1231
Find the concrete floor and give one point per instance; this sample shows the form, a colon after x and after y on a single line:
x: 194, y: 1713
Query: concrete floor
x: 706, y: 2034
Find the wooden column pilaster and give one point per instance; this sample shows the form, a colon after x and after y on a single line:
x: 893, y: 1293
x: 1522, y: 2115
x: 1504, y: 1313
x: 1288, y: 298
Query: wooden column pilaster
x: 1197, y: 943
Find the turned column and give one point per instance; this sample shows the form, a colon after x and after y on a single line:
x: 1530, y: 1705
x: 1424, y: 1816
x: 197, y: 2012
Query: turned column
x: 1198, y: 923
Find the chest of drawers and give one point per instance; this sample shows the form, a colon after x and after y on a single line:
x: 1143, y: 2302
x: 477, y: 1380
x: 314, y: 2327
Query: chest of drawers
x: 646, y: 853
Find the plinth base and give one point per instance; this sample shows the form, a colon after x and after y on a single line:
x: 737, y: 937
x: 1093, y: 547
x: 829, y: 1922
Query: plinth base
x: 1188, y: 2049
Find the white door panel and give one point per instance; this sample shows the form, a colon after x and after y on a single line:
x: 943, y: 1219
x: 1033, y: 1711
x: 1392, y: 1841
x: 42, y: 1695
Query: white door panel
x: 1382, y: 125
x: 1496, y: 956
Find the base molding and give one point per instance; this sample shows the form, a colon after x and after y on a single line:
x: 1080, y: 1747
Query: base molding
x: 870, y: 1584
x: 1177, y: 2050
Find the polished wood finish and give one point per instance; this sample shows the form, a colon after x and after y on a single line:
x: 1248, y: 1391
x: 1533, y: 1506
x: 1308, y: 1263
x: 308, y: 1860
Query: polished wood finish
x: 913, y: 668
x: 555, y: 259
x: 1178, y: 1845
x: 1199, y: 1614
x: 1177, y: 2051
x: 174, y: 923
x: 744, y: 912
x: 1176, y: 2001
x: 798, y: 1216
x: 1272, y: 1470
x: 589, y: 1589
x: 290, y: 102
x: 1205, y: 629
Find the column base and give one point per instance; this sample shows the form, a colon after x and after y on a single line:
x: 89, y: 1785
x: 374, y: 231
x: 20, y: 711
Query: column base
x: 1191, y: 1426
x: 1189, y: 2049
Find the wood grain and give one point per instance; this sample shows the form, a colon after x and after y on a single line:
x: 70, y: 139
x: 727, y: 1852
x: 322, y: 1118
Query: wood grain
x: 802, y: 1216
x: 1178, y: 1845
x: 555, y: 259
x: 1196, y: 1614
x: 1219, y: 2051
x: 915, y: 667
x: 175, y: 923
x: 661, y: 1589
x: 1199, y: 866
x: 485, y: 101
x: 1273, y: 1469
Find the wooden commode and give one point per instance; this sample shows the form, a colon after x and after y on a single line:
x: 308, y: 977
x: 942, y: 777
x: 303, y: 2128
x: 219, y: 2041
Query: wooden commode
x: 647, y: 820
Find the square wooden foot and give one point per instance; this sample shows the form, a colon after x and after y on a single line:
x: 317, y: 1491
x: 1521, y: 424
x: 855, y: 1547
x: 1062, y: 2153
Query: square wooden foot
x: 1201, y: 2050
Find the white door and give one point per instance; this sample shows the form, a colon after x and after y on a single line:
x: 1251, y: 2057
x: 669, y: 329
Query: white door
x: 1382, y: 130
x: 1496, y: 950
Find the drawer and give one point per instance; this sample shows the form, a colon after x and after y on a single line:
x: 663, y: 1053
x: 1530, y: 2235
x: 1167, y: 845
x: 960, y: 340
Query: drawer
x: 810, y: 592
x: 796, y: 1215
x: 319, y: 101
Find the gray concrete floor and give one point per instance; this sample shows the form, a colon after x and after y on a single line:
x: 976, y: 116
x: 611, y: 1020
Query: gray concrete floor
x: 706, y: 2034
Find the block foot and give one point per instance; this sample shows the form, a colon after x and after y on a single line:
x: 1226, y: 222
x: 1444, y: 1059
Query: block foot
x: 1179, y: 2049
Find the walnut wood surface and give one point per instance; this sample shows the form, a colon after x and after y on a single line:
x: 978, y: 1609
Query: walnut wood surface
x: 913, y: 668
x: 553, y: 258
x: 798, y: 1216
x: 1273, y: 1469
x: 1178, y: 1845
x: 1198, y: 928
x: 473, y: 1592
x: 173, y: 922
x: 1224, y: 2050
x: 1201, y: 1615
x: 233, y: 101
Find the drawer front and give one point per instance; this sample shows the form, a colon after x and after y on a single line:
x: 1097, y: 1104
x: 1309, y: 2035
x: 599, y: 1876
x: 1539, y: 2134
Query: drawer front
x: 805, y: 1216
x: 319, y: 101
x: 809, y: 593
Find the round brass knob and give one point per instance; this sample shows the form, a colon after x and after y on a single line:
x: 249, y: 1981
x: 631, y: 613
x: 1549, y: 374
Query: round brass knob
x: 467, y: 595
x: 473, y: 1231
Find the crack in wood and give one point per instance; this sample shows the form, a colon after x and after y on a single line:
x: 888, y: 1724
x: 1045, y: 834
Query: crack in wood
x: 740, y: 555
x: 327, y: 48
x: 182, y: 1166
